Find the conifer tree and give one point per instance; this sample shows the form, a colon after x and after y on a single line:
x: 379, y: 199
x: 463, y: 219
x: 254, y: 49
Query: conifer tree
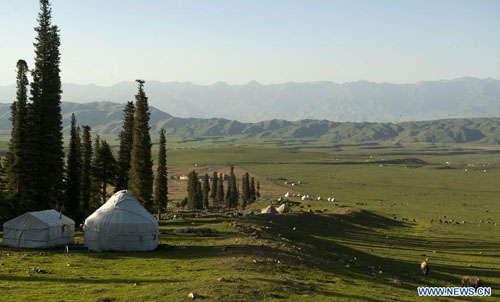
x: 15, y: 167
x: 141, y: 165
x: 244, y: 191
x: 219, y: 197
x: 199, y: 194
x: 6, y: 210
x: 95, y: 185
x: 45, y: 145
x: 229, y: 195
x: 86, y: 185
x: 73, y: 172
x: 253, y: 193
x: 206, y: 191
x: 126, y: 140
x: 234, y: 190
x: 257, y: 191
x: 104, y: 168
x: 161, y: 187
x: 213, y: 191
x: 232, y: 194
x: 191, y: 192
x: 194, y: 192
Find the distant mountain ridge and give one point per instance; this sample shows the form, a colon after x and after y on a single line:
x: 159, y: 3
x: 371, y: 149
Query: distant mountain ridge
x: 356, y: 101
x: 106, y: 118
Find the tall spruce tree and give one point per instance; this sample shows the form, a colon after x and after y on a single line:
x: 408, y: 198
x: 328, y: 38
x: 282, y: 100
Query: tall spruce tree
x: 141, y: 165
x: 161, y: 187
x: 199, y: 194
x: 229, y: 195
x: 126, y: 141
x: 15, y: 166
x: 195, y: 196
x: 86, y: 185
x: 45, y: 145
x: 73, y: 172
x: 245, y: 194
x: 104, y: 168
x: 232, y: 194
x: 257, y: 191
x: 219, y: 197
x: 206, y: 191
x: 95, y: 185
x: 213, y: 191
x: 253, y: 193
x: 6, y: 211
x: 234, y: 190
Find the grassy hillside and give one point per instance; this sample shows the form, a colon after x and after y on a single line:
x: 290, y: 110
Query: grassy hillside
x: 106, y: 118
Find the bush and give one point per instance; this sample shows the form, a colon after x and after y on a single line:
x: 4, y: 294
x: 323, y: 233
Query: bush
x: 184, y: 202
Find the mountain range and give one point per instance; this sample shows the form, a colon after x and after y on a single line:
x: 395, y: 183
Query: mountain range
x: 360, y: 101
x: 106, y: 118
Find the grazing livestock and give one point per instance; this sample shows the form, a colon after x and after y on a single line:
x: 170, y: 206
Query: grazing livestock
x: 470, y: 282
x: 424, y: 266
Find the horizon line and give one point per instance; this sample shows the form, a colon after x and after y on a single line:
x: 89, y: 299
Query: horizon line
x: 255, y: 82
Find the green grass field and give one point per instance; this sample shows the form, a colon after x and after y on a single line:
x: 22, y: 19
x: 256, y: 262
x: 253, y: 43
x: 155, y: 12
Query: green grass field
x: 385, y: 222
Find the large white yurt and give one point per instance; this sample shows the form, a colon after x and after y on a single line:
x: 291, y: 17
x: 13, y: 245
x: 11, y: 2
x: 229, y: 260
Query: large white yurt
x: 39, y: 230
x: 121, y: 224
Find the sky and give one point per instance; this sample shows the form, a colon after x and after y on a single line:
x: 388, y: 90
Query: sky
x: 270, y: 41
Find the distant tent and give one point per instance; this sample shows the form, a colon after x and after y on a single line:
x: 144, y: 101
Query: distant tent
x: 306, y: 197
x: 39, y: 230
x: 121, y: 224
x: 284, y: 208
x: 269, y: 210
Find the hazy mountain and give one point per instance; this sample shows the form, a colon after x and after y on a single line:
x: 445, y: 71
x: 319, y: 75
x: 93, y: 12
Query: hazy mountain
x: 357, y: 101
x: 106, y: 118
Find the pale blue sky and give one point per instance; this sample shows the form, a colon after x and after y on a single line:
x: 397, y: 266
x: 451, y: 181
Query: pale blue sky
x: 205, y: 41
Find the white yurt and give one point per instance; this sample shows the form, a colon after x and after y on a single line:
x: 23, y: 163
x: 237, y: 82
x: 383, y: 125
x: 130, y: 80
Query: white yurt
x: 269, y: 210
x: 39, y: 230
x: 121, y: 224
x: 284, y: 208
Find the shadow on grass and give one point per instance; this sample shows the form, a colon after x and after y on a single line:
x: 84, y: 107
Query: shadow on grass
x: 48, y: 278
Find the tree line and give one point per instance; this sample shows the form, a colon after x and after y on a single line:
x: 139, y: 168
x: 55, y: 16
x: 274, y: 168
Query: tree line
x: 36, y: 174
x: 203, y: 195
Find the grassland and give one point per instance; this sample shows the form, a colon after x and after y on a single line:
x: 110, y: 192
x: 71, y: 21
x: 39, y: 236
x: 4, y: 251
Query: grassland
x: 385, y: 221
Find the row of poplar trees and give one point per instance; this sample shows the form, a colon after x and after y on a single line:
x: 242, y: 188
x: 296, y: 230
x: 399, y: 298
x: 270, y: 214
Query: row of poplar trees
x: 34, y: 170
x: 199, y: 193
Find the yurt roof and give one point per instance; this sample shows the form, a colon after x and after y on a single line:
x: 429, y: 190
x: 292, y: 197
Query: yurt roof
x: 38, y: 219
x: 123, y: 208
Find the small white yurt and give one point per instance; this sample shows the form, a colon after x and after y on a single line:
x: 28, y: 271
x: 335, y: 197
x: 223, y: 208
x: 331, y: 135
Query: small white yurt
x: 121, y: 224
x: 39, y: 230
x: 269, y: 210
x: 284, y: 208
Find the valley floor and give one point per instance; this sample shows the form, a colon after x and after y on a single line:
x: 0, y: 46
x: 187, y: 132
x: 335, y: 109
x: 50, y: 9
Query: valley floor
x: 385, y: 221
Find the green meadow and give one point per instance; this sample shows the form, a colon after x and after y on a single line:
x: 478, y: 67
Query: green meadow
x: 395, y: 205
